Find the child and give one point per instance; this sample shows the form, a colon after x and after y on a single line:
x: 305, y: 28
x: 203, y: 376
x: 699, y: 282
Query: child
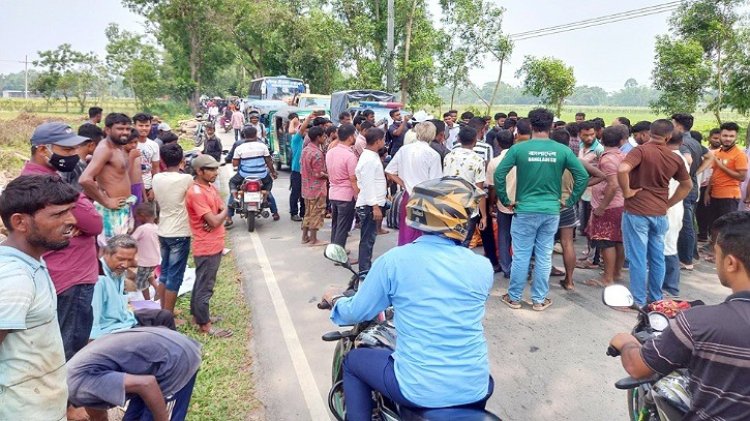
x: 149, y: 251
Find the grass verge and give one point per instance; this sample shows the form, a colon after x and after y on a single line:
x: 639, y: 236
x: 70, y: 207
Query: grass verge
x: 224, y: 389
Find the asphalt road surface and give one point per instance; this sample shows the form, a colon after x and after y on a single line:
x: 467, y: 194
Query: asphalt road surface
x: 547, y: 365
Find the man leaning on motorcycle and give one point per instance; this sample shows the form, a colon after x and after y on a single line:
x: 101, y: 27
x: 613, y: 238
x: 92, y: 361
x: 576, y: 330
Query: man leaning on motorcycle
x: 712, y: 342
x: 438, y: 290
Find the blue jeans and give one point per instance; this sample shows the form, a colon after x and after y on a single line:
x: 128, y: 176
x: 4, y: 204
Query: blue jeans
x: 672, y: 275
x: 368, y: 232
x: 174, y: 257
x: 138, y: 411
x: 532, y: 233
x: 643, y: 238
x: 504, y: 222
x: 368, y: 369
x: 687, y: 239
x: 75, y: 317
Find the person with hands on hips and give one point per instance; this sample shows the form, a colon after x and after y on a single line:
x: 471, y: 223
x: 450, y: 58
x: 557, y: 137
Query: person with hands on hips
x: 424, y: 372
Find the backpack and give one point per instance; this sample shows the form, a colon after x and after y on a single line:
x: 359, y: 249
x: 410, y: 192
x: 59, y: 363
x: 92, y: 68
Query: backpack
x: 391, y: 215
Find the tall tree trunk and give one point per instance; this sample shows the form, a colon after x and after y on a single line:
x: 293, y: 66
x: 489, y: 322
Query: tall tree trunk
x: 193, y: 59
x: 407, y: 46
x: 719, y: 85
x: 497, y: 85
x: 453, y: 92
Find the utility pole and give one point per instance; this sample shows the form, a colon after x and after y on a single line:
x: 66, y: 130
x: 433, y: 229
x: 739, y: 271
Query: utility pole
x: 26, y: 77
x: 389, y: 46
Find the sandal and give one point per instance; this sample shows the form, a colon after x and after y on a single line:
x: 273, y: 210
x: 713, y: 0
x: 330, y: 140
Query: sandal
x: 594, y: 283
x: 219, y: 333
x: 556, y: 272
x: 515, y: 305
x: 542, y: 306
x: 228, y: 223
x: 585, y: 264
x: 567, y: 286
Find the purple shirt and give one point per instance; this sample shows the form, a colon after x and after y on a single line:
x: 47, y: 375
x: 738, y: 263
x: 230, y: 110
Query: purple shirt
x: 77, y: 264
x: 341, y: 163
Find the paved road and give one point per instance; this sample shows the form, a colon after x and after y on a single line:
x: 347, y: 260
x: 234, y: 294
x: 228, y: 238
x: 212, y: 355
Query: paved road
x: 549, y: 365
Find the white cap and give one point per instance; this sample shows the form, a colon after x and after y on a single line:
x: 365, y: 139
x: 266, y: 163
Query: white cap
x: 421, y: 116
x: 164, y: 127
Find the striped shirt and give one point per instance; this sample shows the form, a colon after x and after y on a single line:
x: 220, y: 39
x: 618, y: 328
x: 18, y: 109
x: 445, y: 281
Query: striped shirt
x: 713, y: 343
x: 482, y: 148
x: 252, y: 159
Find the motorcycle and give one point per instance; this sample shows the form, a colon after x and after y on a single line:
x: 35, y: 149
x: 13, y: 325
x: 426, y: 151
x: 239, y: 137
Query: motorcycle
x: 252, y: 202
x: 200, y: 131
x: 657, y: 398
x: 379, y: 332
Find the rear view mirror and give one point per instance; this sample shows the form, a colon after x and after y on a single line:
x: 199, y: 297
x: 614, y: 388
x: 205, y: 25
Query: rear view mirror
x: 336, y: 253
x: 617, y: 296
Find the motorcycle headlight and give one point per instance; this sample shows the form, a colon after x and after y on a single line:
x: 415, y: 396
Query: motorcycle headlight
x: 658, y: 321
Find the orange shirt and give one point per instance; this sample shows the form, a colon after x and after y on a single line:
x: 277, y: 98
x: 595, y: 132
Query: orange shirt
x: 200, y: 200
x: 722, y: 185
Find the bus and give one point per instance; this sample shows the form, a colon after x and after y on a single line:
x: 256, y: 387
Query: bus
x: 276, y: 87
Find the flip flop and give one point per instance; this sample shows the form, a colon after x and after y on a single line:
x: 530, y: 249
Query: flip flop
x: 594, y: 283
x: 567, y: 286
x: 556, y: 272
x: 585, y: 264
x: 219, y: 333
x: 318, y: 243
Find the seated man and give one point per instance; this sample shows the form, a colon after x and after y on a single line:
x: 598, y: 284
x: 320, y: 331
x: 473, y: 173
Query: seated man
x: 147, y: 365
x: 712, y: 341
x: 111, y: 313
x: 424, y: 372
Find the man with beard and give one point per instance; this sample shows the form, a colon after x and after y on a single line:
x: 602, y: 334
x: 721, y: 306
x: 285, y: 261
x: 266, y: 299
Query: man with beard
x: 730, y: 167
x: 54, y: 147
x: 37, y: 212
x: 106, y: 179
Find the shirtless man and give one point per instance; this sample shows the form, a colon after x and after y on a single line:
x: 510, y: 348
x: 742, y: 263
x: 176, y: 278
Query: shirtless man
x: 106, y: 179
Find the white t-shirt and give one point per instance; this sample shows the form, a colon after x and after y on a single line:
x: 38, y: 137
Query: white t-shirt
x: 150, y: 157
x: 169, y: 192
x: 415, y: 163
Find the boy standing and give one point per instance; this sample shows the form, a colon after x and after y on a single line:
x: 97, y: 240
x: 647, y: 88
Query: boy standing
x: 371, y: 197
x: 314, y: 188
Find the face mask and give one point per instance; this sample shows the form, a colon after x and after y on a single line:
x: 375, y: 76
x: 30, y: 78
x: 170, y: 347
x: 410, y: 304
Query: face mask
x: 64, y: 163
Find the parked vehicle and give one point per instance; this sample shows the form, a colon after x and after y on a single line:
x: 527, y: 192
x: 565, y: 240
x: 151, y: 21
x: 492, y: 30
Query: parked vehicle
x: 281, y: 88
x: 279, y: 136
x: 657, y: 398
x: 352, y: 101
x: 200, y: 131
x: 252, y: 202
x: 379, y: 332
x: 313, y: 101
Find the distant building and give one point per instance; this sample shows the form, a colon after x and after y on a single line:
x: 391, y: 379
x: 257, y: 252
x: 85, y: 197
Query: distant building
x: 17, y: 94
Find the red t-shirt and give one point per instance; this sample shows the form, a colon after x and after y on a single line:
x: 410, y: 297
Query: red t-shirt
x: 201, y: 200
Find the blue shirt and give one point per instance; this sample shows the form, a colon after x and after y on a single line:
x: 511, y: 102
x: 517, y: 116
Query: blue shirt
x: 438, y: 290
x: 110, y: 304
x: 297, y: 152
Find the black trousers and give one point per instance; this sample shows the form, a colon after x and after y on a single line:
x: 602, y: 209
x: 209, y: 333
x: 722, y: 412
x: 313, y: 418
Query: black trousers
x: 155, y: 317
x: 296, y: 202
x: 342, y: 216
x: 206, y: 268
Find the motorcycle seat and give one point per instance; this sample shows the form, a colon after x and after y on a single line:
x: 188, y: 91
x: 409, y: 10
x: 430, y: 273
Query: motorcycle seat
x: 445, y: 414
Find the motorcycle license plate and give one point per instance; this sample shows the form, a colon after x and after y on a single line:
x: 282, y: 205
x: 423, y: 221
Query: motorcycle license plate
x: 252, y: 197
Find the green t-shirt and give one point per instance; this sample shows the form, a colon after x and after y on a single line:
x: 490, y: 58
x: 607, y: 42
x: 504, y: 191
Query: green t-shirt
x: 539, y: 169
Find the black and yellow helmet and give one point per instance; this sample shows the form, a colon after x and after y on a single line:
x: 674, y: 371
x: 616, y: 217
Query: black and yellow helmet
x: 443, y: 206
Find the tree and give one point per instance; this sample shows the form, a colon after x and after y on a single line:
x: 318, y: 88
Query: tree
x: 549, y: 79
x: 187, y: 30
x: 68, y: 72
x: 680, y: 73
x: 716, y: 27
x: 588, y: 95
x: 137, y: 62
x: 143, y: 78
x: 45, y: 85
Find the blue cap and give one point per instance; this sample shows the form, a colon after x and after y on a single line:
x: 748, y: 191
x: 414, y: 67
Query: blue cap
x: 56, y: 133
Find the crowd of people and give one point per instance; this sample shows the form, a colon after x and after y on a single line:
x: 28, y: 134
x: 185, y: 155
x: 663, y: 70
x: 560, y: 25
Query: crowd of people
x: 97, y: 213
x: 93, y: 210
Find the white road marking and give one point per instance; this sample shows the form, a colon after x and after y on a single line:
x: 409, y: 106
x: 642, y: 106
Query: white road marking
x: 315, y: 405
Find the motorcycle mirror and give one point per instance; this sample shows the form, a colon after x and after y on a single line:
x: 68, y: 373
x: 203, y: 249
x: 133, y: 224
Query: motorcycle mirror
x: 336, y: 253
x: 617, y: 296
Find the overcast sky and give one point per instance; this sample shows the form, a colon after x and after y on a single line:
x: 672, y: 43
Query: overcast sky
x: 604, y: 56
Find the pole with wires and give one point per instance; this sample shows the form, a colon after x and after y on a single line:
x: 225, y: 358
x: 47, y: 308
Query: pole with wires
x: 389, y: 76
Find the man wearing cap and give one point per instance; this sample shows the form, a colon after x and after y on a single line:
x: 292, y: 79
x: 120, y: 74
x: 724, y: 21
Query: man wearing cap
x: 106, y: 179
x: 206, y: 215
x: 162, y: 129
x: 74, y: 269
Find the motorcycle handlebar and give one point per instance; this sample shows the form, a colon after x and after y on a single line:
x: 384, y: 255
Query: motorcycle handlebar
x: 612, y: 351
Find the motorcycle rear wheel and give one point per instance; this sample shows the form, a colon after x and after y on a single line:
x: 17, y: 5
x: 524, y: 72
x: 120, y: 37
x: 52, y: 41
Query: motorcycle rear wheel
x: 250, y: 218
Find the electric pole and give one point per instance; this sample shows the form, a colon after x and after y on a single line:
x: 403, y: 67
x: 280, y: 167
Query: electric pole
x: 26, y: 77
x: 389, y: 46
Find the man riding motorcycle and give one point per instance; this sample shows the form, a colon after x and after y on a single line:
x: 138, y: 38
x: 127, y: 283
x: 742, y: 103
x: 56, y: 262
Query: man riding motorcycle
x: 253, y: 159
x: 438, y: 290
x: 712, y: 342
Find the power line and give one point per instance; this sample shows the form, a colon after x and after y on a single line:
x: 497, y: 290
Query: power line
x: 596, y: 21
